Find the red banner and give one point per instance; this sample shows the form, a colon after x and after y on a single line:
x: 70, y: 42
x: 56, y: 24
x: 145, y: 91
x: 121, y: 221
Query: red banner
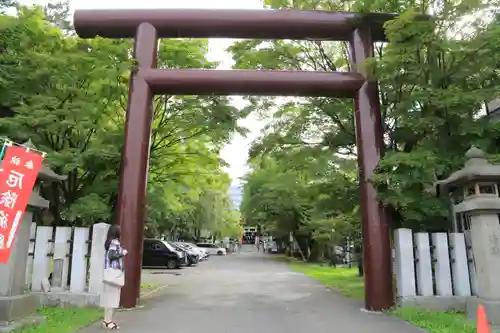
x: 18, y: 174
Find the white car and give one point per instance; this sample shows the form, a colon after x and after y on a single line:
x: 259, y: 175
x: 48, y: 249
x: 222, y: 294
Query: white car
x: 202, y: 253
x: 212, y: 249
x: 272, y: 247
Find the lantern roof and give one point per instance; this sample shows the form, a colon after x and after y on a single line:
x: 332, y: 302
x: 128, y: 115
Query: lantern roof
x: 476, y: 169
x: 45, y: 172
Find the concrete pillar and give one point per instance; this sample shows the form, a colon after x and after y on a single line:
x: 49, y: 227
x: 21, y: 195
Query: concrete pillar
x: 478, y: 180
x: 16, y: 305
x: 485, y: 237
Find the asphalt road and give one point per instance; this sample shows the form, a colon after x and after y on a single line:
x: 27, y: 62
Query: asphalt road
x: 248, y: 293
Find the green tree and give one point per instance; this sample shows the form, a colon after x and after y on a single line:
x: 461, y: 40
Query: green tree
x: 68, y: 95
x: 435, y: 76
x: 302, y: 193
x: 63, y: 93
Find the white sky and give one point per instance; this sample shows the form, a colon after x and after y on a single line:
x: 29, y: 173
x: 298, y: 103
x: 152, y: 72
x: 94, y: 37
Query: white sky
x: 236, y: 152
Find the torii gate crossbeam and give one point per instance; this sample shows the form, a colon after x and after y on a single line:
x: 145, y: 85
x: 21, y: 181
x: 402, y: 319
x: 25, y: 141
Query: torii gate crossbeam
x: 146, y: 26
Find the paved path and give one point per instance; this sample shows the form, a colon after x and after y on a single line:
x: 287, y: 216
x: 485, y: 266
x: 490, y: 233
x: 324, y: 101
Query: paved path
x: 248, y: 293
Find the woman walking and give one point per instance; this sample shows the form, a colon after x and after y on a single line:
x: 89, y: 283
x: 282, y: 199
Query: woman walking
x: 114, y: 278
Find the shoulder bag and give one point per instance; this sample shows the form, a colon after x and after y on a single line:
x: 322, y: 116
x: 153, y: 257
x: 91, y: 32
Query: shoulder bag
x: 114, y: 277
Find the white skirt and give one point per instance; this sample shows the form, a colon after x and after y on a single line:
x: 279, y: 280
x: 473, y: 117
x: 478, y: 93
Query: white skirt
x: 110, y: 296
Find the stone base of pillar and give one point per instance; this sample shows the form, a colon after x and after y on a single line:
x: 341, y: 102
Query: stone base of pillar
x: 492, y: 308
x: 17, y: 311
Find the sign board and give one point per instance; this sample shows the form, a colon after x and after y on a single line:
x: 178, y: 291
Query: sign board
x: 18, y: 174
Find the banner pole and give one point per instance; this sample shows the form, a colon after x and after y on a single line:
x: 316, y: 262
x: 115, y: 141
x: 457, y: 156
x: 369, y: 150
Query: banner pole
x: 4, y: 146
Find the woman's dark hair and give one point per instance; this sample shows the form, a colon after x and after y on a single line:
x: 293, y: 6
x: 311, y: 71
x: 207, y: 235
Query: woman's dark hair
x: 113, y: 233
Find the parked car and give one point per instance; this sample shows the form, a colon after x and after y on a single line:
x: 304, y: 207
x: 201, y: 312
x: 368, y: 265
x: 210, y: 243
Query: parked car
x: 213, y: 249
x: 158, y: 253
x: 202, y: 253
x: 272, y: 247
x: 191, y: 257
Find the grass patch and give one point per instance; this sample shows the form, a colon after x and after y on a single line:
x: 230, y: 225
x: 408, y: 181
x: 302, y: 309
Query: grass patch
x: 436, y: 322
x: 68, y: 320
x: 63, y: 320
x: 349, y: 284
x: 345, y: 280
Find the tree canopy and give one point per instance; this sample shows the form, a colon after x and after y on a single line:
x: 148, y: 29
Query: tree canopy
x: 68, y: 96
x: 435, y: 77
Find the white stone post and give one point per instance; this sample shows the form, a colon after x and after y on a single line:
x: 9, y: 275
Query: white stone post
x: 97, y: 253
x: 423, y: 264
x: 405, y: 269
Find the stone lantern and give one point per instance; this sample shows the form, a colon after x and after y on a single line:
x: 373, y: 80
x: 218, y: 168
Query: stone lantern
x: 17, y: 306
x: 479, y: 180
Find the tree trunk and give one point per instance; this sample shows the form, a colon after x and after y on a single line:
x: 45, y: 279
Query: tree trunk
x: 304, y: 259
x: 333, y: 256
x: 361, y: 271
x: 358, y: 250
x: 315, y: 251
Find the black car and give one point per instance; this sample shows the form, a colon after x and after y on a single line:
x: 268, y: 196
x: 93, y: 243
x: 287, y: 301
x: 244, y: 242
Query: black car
x: 158, y: 253
x: 191, y: 257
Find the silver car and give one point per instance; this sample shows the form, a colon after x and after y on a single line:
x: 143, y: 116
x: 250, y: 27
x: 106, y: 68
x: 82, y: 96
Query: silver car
x: 202, y: 253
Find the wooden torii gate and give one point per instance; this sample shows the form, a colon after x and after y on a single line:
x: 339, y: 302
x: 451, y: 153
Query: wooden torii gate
x: 147, y: 26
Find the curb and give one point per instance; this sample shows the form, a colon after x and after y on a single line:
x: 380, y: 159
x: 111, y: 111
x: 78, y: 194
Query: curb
x: 143, y: 297
x: 154, y: 291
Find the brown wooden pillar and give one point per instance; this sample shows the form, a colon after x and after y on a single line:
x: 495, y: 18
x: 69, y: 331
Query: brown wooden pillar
x: 379, y: 293
x: 135, y: 160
